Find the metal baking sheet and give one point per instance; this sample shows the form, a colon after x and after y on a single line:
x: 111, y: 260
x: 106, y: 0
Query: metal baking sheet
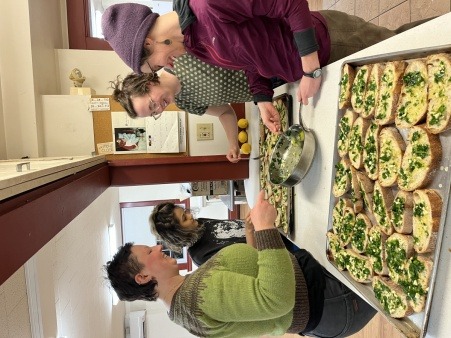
x: 415, y: 325
x: 287, y: 101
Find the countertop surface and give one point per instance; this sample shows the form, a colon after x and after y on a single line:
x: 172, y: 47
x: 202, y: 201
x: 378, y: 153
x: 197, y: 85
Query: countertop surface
x: 312, y: 195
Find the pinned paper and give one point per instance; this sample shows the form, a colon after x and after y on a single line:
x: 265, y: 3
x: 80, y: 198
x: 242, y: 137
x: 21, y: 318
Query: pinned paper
x: 105, y: 148
x: 99, y: 104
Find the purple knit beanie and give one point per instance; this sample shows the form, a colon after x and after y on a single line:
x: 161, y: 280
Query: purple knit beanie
x: 125, y: 27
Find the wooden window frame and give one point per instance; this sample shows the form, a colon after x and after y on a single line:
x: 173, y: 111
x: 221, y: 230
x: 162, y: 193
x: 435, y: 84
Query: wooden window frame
x: 78, y: 27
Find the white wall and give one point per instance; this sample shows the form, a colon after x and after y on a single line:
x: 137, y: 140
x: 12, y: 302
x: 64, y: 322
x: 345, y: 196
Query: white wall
x: 29, y: 33
x: 67, y: 125
x: 101, y: 67
x: 72, y: 265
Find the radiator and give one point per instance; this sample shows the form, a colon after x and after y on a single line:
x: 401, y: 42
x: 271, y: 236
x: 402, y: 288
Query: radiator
x: 137, y: 324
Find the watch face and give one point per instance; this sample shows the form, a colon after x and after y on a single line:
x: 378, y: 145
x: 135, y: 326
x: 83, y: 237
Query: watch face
x: 317, y: 73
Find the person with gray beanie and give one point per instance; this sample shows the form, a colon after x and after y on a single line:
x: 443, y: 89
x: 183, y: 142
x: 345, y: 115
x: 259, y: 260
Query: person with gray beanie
x: 264, y: 38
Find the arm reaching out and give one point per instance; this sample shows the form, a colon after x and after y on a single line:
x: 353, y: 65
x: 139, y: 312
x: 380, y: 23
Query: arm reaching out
x: 308, y: 87
x: 250, y: 239
x: 263, y: 214
x: 228, y: 120
x: 270, y: 116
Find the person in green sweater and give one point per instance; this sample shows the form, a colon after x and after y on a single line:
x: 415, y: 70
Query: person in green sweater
x: 243, y: 291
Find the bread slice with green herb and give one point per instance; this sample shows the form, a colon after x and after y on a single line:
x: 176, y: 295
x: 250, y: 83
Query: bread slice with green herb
x: 346, y: 81
x: 375, y: 250
x: 359, y: 87
x: 359, y: 238
x: 372, y: 91
x: 345, y: 126
x: 359, y: 267
x: 371, y: 151
x: 439, y: 95
x: 412, y: 106
x: 398, y: 249
x: 401, y: 212
x: 416, y: 285
x: 391, y: 297
x: 356, y: 141
x: 356, y: 192
x: 422, y: 157
x: 389, y: 92
x: 338, y: 253
x: 427, y: 209
x: 338, y: 212
x: 391, y: 150
x: 366, y: 188
x: 346, y: 227
x: 342, y: 180
x: 382, y: 203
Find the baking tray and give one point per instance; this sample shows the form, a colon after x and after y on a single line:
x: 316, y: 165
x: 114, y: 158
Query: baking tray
x: 415, y: 325
x: 287, y: 101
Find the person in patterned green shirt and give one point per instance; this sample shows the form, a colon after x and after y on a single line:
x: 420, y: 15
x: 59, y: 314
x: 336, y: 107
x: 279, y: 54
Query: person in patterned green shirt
x: 194, y: 86
x: 243, y: 291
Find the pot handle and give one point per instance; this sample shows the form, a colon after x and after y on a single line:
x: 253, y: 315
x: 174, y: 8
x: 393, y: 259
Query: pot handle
x: 301, y: 123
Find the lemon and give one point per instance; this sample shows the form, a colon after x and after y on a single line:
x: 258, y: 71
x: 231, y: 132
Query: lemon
x: 242, y: 136
x: 246, y: 148
x: 243, y: 123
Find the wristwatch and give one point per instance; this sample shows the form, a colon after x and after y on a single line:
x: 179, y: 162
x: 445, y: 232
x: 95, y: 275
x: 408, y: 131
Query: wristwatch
x: 315, y: 74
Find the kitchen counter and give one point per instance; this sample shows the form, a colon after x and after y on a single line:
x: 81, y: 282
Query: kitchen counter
x: 313, y: 194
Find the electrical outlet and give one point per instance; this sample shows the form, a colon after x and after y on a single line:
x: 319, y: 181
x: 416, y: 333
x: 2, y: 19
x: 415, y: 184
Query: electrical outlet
x: 204, y: 131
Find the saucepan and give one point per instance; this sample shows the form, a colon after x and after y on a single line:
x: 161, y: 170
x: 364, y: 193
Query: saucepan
x: 292, y: 155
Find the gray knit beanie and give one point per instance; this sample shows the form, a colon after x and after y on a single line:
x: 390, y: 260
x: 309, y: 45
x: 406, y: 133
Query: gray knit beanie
x: 125, y: 27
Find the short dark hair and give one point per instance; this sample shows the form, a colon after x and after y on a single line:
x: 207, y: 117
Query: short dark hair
x: 164, y: 225
x: 133, y: 85
x: 121, y: 272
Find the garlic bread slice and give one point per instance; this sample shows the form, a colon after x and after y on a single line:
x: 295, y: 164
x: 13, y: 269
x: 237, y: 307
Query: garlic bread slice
x: 401, y: 212
x: 359, y: 238
x: 389, y: 92
x: 382, y: 203
x: 427, y: 208
x: 439, y: 95
x: 422, y: 156
x: 391, y: 297
x: 412, y: 106
x: 391, y: 150
x: 375, y: 250
x: 359, y: 267
x: 346, y: 81
x: 345, y: 126
x: 372, y: 91
x: 359, y: 87
x: 356, y: 141
x: 398, y: 249
x: 371, y: 151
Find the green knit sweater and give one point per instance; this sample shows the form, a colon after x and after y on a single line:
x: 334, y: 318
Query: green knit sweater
x: 244, y: 292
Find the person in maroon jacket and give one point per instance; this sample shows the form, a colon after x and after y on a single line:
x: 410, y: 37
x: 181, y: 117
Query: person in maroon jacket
x: 265, y: 38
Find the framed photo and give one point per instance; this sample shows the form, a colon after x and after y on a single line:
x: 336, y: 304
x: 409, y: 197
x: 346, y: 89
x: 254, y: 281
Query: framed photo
x: 129, y: 135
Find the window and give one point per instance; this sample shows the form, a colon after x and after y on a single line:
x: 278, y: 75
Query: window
x: 84, y: 20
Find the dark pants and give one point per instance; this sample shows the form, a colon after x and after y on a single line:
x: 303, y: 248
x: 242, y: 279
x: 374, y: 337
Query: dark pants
x: 350, y: 34
x: 344, y: 312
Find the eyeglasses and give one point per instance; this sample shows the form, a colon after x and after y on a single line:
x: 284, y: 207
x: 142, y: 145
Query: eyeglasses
x: 153, y: 107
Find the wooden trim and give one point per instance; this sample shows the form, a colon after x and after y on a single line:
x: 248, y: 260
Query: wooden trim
x: 30, y: 220
x: 176, y: 170
x: 78, y: 27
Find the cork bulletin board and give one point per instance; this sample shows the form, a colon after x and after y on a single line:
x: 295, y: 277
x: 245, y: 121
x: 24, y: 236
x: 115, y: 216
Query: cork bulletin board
x: 103, y: 131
